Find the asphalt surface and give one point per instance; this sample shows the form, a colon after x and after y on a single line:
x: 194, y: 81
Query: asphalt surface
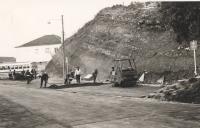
x: 102, y: 106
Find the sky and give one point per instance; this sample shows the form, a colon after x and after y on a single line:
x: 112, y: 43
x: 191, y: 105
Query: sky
x: 22, y: 21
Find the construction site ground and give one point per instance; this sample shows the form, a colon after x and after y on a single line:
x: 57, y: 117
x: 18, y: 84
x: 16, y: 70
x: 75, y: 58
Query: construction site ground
x: 100, y: 106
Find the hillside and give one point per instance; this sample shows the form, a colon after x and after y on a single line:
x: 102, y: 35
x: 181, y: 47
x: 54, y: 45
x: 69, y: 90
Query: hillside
x: 122, y: 30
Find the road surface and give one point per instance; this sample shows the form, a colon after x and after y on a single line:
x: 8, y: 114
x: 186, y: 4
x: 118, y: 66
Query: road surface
x: 28, y: 106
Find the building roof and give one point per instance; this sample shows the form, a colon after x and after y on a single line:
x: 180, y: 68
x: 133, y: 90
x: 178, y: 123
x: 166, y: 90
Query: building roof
x: 44, y: 40
x: 7, y: 59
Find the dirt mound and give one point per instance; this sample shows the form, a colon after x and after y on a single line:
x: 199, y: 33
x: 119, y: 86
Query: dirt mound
x: 185, y: 91
x: 170, y: 77
x: 136, y: 29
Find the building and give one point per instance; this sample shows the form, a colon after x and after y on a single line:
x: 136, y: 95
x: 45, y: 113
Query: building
x: 38, y: 50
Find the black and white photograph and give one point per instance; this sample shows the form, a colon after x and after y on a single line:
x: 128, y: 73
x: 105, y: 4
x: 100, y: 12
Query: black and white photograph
x: 99, y: 64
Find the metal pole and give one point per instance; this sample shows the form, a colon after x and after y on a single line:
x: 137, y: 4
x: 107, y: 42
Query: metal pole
x: 195, y: 63
x: 63, y: 46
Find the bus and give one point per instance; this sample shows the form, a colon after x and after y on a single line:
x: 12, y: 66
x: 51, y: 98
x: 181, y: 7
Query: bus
x: 18, y: 67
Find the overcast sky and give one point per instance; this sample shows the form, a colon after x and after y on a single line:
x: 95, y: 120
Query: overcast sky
x: 24, y: 20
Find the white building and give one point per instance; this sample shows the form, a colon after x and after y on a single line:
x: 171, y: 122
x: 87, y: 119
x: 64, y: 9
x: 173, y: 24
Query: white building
x: 38, y: 50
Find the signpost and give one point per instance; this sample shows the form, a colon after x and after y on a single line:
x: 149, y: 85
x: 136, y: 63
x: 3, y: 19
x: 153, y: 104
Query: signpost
x: 193, y: 46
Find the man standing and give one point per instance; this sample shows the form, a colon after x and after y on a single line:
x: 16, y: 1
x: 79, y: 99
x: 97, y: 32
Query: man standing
x: 112, y: 75
x: 14, y: 75
x: 28, y: 76
x: 33, y: 72
x: 78, y: 75
x: 94, y: 75
x: 69, y: 77
x: 44, y: 78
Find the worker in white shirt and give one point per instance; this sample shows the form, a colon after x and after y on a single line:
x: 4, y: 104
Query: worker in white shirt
x: 112, y: 74
x: 78, y: 75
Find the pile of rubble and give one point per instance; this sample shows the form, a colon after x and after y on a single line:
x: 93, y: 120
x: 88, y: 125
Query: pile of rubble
x: 187, y: 91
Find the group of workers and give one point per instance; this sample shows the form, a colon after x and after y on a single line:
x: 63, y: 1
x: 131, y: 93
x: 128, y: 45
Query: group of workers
x: 73, y: 74
x: 76, y: 74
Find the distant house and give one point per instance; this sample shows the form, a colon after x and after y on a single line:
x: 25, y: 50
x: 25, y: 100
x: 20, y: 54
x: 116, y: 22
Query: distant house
x: 39, y: 50
x: 7, y: 59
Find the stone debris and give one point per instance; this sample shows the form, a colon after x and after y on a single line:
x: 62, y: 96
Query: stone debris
x: 53, y: 86
x: 187, y: 91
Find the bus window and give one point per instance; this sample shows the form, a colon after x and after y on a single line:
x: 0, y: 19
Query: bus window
x: 12, y: 67
x: 8, y: 67
x: 3, y: 68
x: 24, y: 67
x: 20, y: 67
x: 16, y: 67
x: 28, y: 66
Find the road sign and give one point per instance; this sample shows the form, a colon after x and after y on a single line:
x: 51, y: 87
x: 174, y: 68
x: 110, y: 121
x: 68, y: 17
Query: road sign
x: 193, y: 45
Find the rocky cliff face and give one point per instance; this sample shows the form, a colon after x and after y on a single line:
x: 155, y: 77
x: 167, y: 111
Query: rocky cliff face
x: 121, y: 31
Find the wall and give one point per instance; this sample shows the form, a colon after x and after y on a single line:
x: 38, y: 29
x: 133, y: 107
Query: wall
x: 36, y: 53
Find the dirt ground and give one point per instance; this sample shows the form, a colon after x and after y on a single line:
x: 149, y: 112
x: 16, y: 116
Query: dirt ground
x: 28, y: 106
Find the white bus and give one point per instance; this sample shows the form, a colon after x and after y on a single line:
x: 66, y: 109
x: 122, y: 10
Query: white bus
x: 18, y: 67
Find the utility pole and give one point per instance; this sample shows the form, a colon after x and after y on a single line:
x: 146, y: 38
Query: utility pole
x: 63, y: 48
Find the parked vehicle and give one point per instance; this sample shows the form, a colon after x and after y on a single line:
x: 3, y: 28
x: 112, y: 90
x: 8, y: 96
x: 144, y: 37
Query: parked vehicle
x: 15, y: 70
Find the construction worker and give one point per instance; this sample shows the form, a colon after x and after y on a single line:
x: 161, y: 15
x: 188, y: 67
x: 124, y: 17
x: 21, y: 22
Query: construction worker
x: 33, y: 72
x: 44, y: 78
x: 28, y: 76
x: 112, y: 74
x: 94, y: 75
x: 78, y: 75
x: 23, y: 74
x: 69, y: 77
x: 14, y: 75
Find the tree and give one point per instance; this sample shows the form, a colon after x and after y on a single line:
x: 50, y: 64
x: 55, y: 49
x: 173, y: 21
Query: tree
x: 183, y: 17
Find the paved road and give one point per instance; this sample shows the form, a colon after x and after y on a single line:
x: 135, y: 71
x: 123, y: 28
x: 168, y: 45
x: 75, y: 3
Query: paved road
x: 82, y: 108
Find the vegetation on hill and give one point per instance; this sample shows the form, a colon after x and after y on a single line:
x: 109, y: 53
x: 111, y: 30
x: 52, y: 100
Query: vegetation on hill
x: 184, y: 18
